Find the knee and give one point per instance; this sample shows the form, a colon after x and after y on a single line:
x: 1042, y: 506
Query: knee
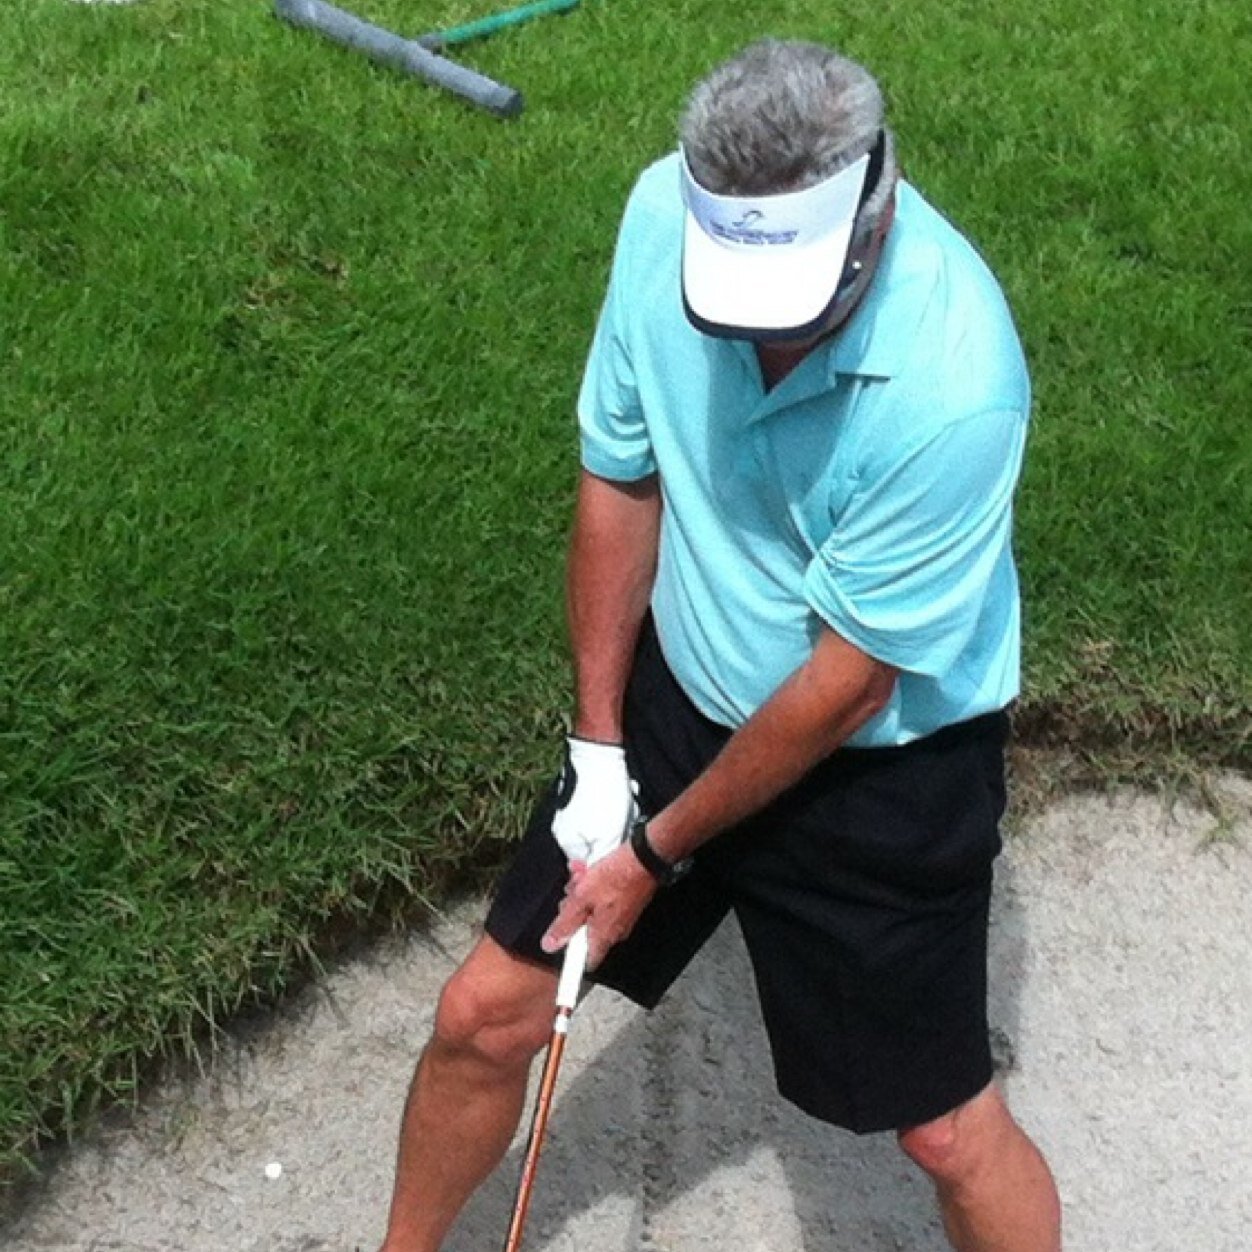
x: 480, y: 1023
x: 955, y: 1147
x: 934, y: 1147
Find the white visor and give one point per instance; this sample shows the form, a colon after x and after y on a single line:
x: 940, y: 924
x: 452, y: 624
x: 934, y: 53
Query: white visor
x: 769, y: 265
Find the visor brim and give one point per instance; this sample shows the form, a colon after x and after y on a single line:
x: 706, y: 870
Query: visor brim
x: 770, y: 267
x: 766, y: 294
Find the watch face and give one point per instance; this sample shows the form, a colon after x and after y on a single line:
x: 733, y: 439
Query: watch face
x: 683, y: 867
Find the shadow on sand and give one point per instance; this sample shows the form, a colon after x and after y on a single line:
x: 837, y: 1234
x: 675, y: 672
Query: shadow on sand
x: 678, y: 1107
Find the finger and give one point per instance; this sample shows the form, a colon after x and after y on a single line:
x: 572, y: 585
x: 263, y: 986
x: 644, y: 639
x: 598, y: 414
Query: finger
x: 568, y: 920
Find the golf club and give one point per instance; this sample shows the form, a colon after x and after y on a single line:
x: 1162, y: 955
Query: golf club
x: 566, y: 1000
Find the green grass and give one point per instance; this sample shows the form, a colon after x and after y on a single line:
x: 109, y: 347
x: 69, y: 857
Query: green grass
x: 290, y: 347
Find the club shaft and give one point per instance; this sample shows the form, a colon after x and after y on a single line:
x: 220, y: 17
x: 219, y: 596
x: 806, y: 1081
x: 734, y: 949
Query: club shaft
x: 538, y: 1127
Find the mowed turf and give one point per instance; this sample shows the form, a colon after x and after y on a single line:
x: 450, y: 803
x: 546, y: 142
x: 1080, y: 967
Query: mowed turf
x: 290, y: 345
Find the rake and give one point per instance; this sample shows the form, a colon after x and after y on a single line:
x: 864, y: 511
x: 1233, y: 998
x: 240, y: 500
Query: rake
x: 420, y: 57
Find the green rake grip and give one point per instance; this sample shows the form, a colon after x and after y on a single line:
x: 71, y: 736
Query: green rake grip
x: 485, y: 26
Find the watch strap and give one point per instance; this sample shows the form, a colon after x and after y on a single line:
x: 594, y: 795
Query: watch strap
x: 651, y: 860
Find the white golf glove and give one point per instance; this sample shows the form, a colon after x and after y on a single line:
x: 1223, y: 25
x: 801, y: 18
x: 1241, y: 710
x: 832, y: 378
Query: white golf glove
x: 595, y: 802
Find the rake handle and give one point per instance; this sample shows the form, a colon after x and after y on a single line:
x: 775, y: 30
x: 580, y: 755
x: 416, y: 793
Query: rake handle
x: 485, y: 26
x: 406, y: 54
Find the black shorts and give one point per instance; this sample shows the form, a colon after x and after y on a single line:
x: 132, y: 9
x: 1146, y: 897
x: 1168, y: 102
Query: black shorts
x: 862, y: 894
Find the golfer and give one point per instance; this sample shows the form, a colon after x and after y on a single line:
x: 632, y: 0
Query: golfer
x: 794, y: 619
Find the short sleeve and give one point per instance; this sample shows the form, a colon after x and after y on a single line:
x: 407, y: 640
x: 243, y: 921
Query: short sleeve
x: 915, y: 551
x: 613, y: 433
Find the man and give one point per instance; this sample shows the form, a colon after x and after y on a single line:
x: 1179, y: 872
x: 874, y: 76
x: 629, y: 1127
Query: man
x: 794, y: 618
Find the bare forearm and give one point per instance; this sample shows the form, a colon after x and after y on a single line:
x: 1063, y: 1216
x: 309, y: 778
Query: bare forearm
x: 808, y: 717
x: 612, y: 564
x: 811, y: 714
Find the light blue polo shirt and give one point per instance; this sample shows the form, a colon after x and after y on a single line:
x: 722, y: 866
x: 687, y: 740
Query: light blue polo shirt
x: 871, y: 490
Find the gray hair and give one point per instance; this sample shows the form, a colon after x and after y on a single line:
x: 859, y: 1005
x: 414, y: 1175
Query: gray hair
x: 783, y: 115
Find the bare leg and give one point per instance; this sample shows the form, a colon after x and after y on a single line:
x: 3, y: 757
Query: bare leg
x: 467, y: 1095
x: 996, y: 1193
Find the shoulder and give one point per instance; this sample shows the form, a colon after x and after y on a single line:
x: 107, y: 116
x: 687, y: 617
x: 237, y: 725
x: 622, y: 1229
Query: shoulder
x: 966, y: 338
x: 935, y: 344
x: 648, y: 252
x: 652, y: 222
x: 657, y: 193
x: 935, y: 340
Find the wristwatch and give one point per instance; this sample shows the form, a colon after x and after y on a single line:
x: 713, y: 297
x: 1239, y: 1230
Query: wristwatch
x: 656, y: 865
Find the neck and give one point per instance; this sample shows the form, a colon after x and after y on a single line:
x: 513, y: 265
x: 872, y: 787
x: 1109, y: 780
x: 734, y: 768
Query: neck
x: 777, y: 360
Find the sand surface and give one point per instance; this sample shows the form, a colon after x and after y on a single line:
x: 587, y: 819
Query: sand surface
x: 1122, y: 1003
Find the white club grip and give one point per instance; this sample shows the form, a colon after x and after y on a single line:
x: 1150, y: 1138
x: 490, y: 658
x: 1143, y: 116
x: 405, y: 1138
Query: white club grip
x: 572, y: 970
